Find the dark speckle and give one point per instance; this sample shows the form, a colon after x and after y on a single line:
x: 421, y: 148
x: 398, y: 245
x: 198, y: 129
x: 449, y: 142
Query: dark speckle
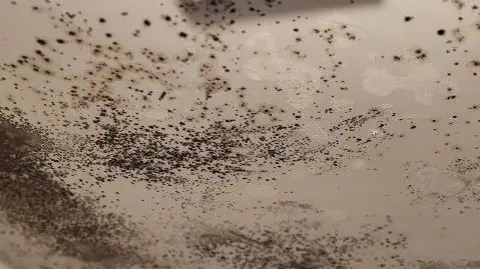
x: 451, y: 97
x: 162, y: 95
x: 41, y: 41
x: 420, y: 54
x: 475, y: 63
x: 440, y: 32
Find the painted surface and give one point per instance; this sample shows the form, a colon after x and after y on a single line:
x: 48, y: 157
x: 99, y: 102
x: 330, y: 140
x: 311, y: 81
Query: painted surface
x: 240, y: 134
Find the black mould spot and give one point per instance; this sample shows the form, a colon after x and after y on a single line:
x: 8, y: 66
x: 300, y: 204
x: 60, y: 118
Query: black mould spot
x: 451, y: 97
x: 147, y: 22
x: 41, y: 41
x: 420, y: 54
x: 162, y: 95
x: 408, y: 18
x: 475, y: 63
x: 440, y: 32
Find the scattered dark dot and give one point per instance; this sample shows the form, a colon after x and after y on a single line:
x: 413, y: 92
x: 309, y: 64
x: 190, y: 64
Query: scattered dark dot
x: 41, y: 41
x: 162, y: 95
x: 167, y: 18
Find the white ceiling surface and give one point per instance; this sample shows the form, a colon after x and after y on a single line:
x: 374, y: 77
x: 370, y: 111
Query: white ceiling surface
x: 405, y: 179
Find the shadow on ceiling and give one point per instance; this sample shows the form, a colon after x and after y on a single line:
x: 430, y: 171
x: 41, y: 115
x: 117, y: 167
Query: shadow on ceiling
x: 227, y: 11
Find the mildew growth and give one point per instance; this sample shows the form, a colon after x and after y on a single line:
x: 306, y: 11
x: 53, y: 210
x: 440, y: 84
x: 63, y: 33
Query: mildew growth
x: 32, y: 199
x: 295, y: 244
x: 206, y: 110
